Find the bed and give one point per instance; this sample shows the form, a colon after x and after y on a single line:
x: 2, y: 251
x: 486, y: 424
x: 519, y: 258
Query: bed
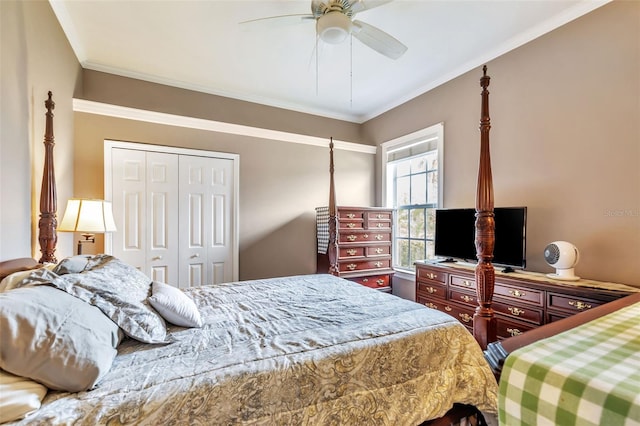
x: 113, y: 347
x: 581, y: 370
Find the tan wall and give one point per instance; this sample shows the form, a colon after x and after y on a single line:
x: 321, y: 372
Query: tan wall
x: 565, y: 138
x: 565, y: 142
x: 36, y: 58
x: 280, y: 185
x: 116, y: 90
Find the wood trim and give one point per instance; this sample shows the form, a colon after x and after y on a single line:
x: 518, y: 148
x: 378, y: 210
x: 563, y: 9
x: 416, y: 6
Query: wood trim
x: 80, y: 105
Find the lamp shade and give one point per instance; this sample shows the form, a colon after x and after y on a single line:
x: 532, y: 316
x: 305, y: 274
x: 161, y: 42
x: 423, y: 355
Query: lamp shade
x: 91, y: 216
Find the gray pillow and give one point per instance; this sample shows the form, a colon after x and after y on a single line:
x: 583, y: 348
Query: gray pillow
x: 72, y: 265
x: 54, y: 338
x: 121, y: 292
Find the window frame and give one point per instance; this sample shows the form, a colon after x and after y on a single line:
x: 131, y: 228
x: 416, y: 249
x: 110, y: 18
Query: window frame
x: 426, y: 135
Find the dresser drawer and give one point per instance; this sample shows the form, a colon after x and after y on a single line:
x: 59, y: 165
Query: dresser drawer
x: 459, y: 312
x: 510, y: 310
x: 378, y: 251
x: 508, y: 328
x: 347, y: 252
x: 347, y: 266
x: 431, y: 290
x: 376, y: 224
x: 462, y: 313
x: 347, y: 215
x: 350, y: 224
x: 520, y: 294
x: 431, y: 275
x: 463, y: 282
x: 463, y: 297
x: 373, y: 215
x: 569, y: 303
x: 374, y: 281
x: 358, y: 236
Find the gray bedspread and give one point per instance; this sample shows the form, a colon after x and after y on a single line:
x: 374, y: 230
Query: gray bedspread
x: 312, y: 349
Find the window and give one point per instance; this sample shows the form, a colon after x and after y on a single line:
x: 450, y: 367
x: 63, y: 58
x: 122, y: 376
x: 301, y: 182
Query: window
x: 412, y: 184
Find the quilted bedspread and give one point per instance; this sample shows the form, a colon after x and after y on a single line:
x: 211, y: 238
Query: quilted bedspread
x: 309, y: 349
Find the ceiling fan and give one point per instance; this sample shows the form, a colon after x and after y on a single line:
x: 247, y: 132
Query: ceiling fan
x: 334, y: 23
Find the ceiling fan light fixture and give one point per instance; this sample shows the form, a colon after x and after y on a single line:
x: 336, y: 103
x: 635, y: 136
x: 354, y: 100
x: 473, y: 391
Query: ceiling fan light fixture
x: 333, y: 27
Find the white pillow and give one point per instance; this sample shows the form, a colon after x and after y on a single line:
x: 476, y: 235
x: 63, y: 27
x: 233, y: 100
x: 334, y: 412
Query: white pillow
x: 18, y: 396
x: 174, y: 306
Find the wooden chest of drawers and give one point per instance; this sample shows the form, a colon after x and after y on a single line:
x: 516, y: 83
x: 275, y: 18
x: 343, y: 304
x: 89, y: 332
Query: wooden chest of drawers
x: 364, y: 237
x: 522, y: 301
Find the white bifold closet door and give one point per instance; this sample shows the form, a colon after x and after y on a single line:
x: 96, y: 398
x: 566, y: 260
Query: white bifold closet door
x: 175, y: 216
x: 206, y: 186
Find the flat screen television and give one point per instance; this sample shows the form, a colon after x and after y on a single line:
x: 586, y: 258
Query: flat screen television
x: 455, y: 235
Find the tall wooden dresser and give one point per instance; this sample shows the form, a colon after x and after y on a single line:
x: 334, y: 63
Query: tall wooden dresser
x: 364, y: 236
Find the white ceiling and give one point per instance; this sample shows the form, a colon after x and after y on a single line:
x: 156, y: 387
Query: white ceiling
x: 200, y: 45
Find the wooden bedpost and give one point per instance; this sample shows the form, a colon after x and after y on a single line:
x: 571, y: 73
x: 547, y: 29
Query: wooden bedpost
x: 332, y: 249
x: 48, y: 205
x: 484, y: 322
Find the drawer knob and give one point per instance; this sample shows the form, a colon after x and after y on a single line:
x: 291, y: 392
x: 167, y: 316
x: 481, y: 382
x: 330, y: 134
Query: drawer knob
x: 380, y: 216
x: 515, y: 311
x: 379, y: 237
x: 581, y: 306
x: 350, y: 215
x: 466, y: 298
x: 351, y: 252
x: 431, y: 305
x: 379, y: 250
x: 365, y: 280
x: 378, y: 264
x: 465, y: 317
x: 448, y: 308
x: 467, y: 283
x: 351, y: 225
x: 517, y: 293
x: 352, y: 266
x: 380, y: 281
x: 513, y: 331
x: 432, y: 276
x: 380, y: 225
x: 431, y: 290
x: 351, y: 237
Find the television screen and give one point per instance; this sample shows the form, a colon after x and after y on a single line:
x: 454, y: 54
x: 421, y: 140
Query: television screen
x: 455, y: 235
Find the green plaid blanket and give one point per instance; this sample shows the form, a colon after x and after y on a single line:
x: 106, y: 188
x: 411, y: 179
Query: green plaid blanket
x: 589, y: 375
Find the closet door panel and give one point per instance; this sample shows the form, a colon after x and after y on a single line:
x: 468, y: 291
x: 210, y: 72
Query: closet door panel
x: 162, y: 217
x: 220, y: 173
x: 205, y: 186
x: 129, y: 203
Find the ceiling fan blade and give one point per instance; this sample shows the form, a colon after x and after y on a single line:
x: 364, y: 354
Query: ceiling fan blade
x: 360, y: 5
x: 378, y: 40
x: 279, y: 20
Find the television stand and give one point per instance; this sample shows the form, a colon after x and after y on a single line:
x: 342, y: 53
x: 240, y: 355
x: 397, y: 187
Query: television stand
x: 522, y: 301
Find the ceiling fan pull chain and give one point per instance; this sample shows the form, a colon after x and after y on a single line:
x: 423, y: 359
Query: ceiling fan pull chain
x: 351, y: 72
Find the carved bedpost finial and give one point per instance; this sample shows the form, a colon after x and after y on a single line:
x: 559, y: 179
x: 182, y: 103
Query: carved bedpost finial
x: 484, y: 321
x: 332, y: 250
x: 48, y: 223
